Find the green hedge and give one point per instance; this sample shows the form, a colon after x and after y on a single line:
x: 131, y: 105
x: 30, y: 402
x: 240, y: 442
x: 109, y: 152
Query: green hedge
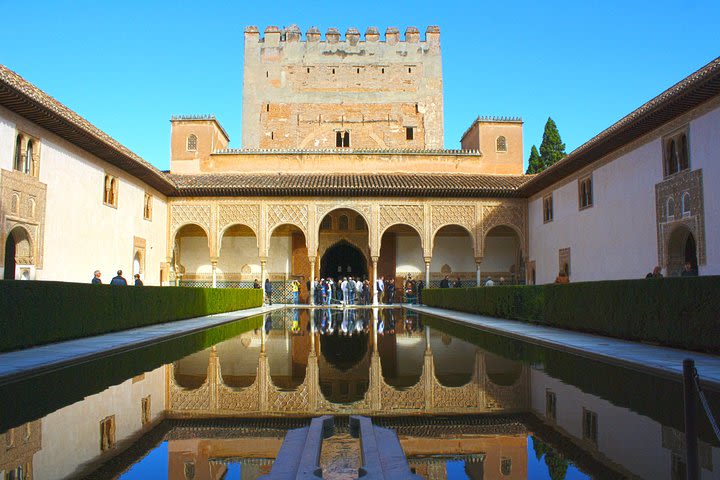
x: 34, y: 313
x: 679, y: 312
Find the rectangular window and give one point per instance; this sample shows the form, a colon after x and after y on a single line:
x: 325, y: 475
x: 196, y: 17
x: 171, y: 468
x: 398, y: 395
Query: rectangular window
x: 110, y: 191
x: 147, y: 207
x: 585, y: 192
x: 342, y: 139
x: 590, y: 426
x: 548, y: 208
x: 550, y: 405
x: 409, y: 133
x: 107, y: 433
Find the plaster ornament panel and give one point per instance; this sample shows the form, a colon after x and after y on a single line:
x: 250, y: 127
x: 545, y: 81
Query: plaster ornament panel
x: 412, y: 398
x: 278, y: 214
x: 508, y: 215
x: 513, y: 397
x: 466, y: 397
x: 324, y: 209
x: 23, y: 201
x: 463, y: 215
x: 190, y: 213
x: 243, y: 213
x: 239, y: 399
x: 412, y: 215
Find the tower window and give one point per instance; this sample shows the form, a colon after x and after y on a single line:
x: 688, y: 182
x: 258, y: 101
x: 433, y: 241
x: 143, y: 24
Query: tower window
x: 501, y: 144
x: 333, y: 71
x: 409, y: 69
x: 107, y: 433
x: 382, y: 70
x: 308, y: 70
x: 676, y: 154
x: 18, y: 154
x: 585, y: 191
x: 358, y: 70
x: 409, y: 133
x: 192, y: 142
x: 342, y: 139
x: 272, y: 135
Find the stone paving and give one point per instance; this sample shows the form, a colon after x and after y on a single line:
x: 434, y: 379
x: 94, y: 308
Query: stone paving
x: 32, y: 361
x: 657, y: 360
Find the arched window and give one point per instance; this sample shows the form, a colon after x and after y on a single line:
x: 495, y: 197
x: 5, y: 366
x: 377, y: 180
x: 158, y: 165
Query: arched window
x: 670, y: 209
x: 359, y: 223
x: 107, y: 188
x: 684, y: 154
x: 17, y: 165
x: 343, y: 222
x: 27, y: 166
x: 342, y: 139
x: 506, y: 466
x: 685, y: 204
x: 192, y: 142
x: 501, y: 144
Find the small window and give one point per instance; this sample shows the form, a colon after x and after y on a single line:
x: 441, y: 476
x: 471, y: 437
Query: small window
x: 267, y: 107
x: 358, y: 70
x: 506, y: 466
x: 359, y: 223
x: 343, y: 222
x: 585, y: 191
x: 27, y: 166
x: 670, y: 209
x: 342, y: 139
x: 676, y: 153
x: 382, y: 70
x: 326, y: 223
x: 307, y: 70
x: 409, y: 133
x: 409, y: 69
x: 333, y: 71
x: 548, y: 208
x: 272, y: 135
x: 550, y: 405
x: 267, y: 74
x: 501, y: 144
x: 145, y: 410
x: 107, y: 433
x: 147, y: 207
x: 18, y: 164
x: 685, y: 204
x: 110, y: 191
x: 192, y: 143
x: 590, y: 426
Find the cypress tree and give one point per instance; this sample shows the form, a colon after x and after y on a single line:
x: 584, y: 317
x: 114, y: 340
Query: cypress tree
x: 551, y: 149
x: 534, y: 162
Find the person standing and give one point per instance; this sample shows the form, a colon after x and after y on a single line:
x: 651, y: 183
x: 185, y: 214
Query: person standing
x: 268, y: 291
x: 380, y: 288
x: 118, y: 279
x: 489, y: 282
x: 420, y: 287
x: 296, y: 291
x: 344, y: 289
x: 256, y: 284
x: 445, y: 282
x: 458, y: 283
x: 96, y: 278
x: 391, y: 291
x: 366, y: 292
x: 351, y: 290
x: 138, y: 282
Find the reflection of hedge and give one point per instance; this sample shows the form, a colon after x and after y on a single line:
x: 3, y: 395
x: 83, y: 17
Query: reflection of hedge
x: 680, y: 312
x: 33, y: 313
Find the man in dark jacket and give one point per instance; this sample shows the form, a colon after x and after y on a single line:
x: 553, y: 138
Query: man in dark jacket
x: 268, y: 291
x: 96, y: 278
x: 118, y: 279
x: 445, y: 282
x: 138, y: 282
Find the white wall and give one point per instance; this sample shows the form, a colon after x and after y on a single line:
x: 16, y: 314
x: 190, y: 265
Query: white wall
x: 280, y: 255
x: 499, y: 254
x: 617, y: 237
x: 81, y: 233
x: 409, y: 255
x: 457, y: 252
x: 71, y: 435
x: 235, y: 252
x: 704, y: 140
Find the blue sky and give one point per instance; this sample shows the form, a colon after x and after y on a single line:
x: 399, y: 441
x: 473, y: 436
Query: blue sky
x: 128, y: 66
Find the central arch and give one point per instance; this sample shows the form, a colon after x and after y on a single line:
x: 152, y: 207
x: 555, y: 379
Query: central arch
x: 343, y: 259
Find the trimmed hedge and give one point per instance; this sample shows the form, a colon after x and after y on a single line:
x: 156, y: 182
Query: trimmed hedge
x: 34, y: 313
x: 681, y: 312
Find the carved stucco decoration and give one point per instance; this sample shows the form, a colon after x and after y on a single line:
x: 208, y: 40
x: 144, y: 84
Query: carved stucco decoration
x: 508, y: 215
x: 324, y: 209
x: 23, y: 201
x: 182, y: 215
x: 412, y: 215
x: 463, y: 215
x: 239, y: 213
x: 278, y: 214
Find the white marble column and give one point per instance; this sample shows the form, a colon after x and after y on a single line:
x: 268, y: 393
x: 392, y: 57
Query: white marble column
x: 427, y: 271
x: 375, y: 280
x: 263, y: 262
x: 213, y: 263
x: 312, y: 281
x: 478, y: 275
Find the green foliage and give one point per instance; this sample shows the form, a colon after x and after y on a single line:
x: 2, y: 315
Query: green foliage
x: 34, y: 313
x: 534, y: 162
x: 679, y: 312
x: 552, y: 149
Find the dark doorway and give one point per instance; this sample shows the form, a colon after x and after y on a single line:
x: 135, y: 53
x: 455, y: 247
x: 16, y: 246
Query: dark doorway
x: 691, y: 252
x: 9, y: 272
x: 341, y: 260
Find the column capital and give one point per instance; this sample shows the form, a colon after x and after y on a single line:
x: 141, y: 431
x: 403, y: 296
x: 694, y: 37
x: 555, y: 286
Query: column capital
x: 428, y: 259
x: 478, y: 260
x: 214, y: 261
x: 375, y: 259
x: 312, y: 259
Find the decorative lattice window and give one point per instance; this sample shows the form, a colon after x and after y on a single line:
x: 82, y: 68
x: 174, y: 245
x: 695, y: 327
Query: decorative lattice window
x: 343, y: 222
x: 676, y: 153
x: 326, y: 223
x: 501, y: 144
x: 110, y: 190
x: 192, y: 141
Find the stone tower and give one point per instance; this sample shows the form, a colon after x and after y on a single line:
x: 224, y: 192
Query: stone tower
x: 355, y: 93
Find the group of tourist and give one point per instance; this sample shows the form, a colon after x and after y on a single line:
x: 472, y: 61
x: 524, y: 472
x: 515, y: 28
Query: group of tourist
x: 687, y: 271
x: 116, y: 280
x: 447, y: 283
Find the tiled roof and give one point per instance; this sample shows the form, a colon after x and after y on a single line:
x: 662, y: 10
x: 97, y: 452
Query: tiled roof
x: 346, y: 151
x: 24, y: 98
x: 682, y: 97
x: 353, y: 185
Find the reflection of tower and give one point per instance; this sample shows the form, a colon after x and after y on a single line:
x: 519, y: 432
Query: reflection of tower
x: 18, y: 446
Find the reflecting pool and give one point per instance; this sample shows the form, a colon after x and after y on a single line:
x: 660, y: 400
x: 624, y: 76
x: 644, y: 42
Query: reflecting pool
x: 466, y: 404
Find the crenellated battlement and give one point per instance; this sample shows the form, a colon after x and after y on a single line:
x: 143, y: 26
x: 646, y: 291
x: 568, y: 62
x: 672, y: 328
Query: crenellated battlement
x: 277, y: 35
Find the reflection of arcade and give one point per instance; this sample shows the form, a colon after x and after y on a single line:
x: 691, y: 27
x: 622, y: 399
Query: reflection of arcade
x: 345, y: 361
x: 485, y: 452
